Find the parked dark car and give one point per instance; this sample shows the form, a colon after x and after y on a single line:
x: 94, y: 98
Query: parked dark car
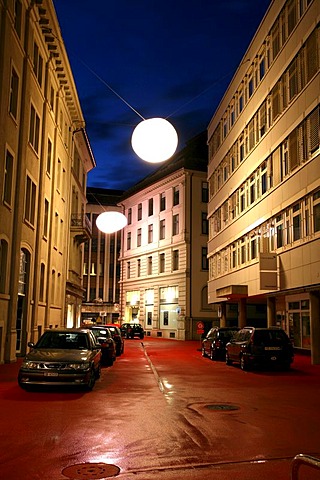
x: 131, y: 330
x: 260, y: 347
x: 107, y: 343
x: 214, y: 343
x: 117, y: 337
x: 68, y: 357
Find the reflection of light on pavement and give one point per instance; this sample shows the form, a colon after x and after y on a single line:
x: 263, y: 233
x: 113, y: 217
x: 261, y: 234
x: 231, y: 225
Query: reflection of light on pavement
x: 167, y: 384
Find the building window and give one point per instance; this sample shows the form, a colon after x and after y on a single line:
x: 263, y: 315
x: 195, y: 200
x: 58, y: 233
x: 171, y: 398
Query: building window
x: 162, y: 202
x: 49, y: 156
x: 139, y: 268
x: 14, y: 91
x: 139, y: 237
x: 42, y: 281
x: 149, y: 265
x: 176, y: 192
x: 34, y: 130
x: 139, y: 211
x: 161, y: 263
x: 204, y: 223
x: 175, y: 260
x: 316, y: 212
x: 162, y: 233
x: 129, y: 216
x: 8, y: 177
x: 37, y: 63
x: 262, y: 68
x: 150, y: 233
x: 3, y: 265
x: 150, y: 207
x: 175, y: 224
x: 17, y: 16
x: 296, y: 222
x: 128, y: 270
x: 30, y: 201
x: 46, y: 218
x: 128, y: 240
x: 205, y: 192
x: 204, y: 258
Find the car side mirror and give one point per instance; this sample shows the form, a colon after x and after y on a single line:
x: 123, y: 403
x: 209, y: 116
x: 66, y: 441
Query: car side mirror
x: 31, y: 344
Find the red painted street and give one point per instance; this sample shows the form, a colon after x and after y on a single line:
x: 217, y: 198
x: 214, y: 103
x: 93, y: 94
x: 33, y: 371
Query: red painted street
x: 162, y: 411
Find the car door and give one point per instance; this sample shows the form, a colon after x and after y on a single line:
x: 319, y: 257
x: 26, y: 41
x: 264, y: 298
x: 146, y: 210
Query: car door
x: 234, y: 345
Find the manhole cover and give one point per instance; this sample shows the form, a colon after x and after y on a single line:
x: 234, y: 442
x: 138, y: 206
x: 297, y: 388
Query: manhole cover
x: 90, y: 471
x: 222, y: 407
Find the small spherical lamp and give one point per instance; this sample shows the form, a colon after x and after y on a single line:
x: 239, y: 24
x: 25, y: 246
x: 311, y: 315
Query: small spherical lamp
x: 110, y: 222
x: 154, y: 140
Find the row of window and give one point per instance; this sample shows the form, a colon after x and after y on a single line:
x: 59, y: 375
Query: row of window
x: 25, y: 259
x: 300, y: 71
x: 167, y: 263
x: 274, y: 42
x: 294, y: 224
x: 163, y: 203
x: 162, y: 232
x: 296, y: 149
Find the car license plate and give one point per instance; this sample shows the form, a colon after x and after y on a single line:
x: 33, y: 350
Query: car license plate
x: 272, y: 348
x: 51, y: 374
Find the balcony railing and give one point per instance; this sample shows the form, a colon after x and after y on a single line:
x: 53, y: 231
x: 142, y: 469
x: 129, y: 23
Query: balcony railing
x: 81, y: 226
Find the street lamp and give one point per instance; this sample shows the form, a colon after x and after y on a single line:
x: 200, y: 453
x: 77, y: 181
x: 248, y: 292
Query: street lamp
x: 111, y: 222
x: 154, y: 140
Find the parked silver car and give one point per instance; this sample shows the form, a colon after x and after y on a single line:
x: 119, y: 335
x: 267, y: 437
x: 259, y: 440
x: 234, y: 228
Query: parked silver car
x: 68, y: 357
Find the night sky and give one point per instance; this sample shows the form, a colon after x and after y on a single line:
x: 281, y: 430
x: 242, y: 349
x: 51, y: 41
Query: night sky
x: 166, y: 58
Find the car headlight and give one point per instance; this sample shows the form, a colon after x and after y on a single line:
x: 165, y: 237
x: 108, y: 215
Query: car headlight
x: 79, y: 366
x: 29, y: 365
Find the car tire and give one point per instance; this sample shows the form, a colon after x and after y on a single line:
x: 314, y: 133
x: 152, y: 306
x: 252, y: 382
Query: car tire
x: 228, y: 361
x: 92, y: 380
x: 98, y: 371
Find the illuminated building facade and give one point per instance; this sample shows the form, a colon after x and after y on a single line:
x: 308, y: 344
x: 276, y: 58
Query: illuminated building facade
x: 264, y: 182
x: 44, y: 160
x: 164, y: 269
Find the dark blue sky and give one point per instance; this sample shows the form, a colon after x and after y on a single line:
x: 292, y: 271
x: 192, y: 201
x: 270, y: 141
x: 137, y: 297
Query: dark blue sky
x: 166, y: 58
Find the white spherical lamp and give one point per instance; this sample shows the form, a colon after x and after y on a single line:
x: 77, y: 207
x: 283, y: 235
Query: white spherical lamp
x: 110, y: 222
x: 154, y: 140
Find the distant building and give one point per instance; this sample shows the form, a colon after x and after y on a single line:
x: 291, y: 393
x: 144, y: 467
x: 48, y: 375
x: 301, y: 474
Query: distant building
x: 101, y: 266
x: 164, y: 268
x: 44, y: 160
x: 264, y: 182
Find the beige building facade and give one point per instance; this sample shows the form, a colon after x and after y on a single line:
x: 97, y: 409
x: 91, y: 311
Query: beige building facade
x: 164, y: 268
x: 264, y: 182
x: 44, y: 160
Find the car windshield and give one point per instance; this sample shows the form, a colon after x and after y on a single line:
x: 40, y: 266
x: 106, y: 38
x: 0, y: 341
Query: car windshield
x: 63, y: 340
x: 101, y: 332
x: 269, y: 337
x: 227, y: 333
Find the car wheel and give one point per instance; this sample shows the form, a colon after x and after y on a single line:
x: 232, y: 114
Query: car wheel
x: 92, y: 379
x: 98, y: 371
x: 228, y: 361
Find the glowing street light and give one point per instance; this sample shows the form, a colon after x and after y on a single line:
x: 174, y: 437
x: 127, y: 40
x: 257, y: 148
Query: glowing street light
x: 111, y: 222
x: 154, y: 140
